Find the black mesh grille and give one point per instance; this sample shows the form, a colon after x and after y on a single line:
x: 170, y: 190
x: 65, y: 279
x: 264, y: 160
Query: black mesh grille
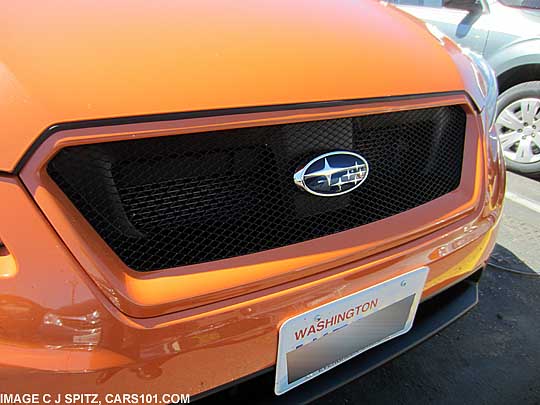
x: 179, y: 200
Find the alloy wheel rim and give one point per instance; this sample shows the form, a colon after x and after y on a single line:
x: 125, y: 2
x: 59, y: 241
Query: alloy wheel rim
x: 518, y: 127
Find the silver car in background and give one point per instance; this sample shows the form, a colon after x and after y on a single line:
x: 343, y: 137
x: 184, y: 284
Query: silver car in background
x: 507, y: 34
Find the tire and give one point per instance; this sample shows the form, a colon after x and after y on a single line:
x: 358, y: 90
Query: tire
x: 507, y: 101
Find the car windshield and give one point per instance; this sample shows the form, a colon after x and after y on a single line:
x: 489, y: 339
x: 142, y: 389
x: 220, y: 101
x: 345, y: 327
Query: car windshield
x: 522, y: 3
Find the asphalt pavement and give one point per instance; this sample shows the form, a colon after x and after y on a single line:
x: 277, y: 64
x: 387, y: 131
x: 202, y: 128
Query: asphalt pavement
x: 492, y: 354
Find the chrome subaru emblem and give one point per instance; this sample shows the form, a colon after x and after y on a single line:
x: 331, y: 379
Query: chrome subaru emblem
x: 332, y: 174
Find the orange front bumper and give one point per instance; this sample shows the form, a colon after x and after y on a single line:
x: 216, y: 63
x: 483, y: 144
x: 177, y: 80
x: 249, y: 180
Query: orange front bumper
x: 61, y: 334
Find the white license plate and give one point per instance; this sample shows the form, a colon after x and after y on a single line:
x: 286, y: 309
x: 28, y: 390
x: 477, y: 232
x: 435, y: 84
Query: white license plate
x: 318, y: 340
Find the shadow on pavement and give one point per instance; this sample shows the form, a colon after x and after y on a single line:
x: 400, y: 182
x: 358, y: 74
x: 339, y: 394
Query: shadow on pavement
x: 530, y: 176
x: 502, y: 256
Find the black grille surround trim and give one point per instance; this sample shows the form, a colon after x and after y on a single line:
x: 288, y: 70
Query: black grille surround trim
x: 126, y: 207
x: 137, y: 119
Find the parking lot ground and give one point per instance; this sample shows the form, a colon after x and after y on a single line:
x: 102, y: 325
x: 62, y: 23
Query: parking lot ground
x: 489, y: 356
x: 519, y: 235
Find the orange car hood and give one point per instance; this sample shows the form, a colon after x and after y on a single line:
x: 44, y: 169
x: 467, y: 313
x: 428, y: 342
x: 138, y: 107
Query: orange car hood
x: 70, y: 60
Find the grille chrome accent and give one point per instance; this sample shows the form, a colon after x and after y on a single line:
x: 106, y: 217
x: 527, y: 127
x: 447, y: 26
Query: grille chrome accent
x: 187, y: 199
x: 320, y: 178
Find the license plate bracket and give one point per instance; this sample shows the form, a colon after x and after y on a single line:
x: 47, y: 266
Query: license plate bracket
x: 318, y: 340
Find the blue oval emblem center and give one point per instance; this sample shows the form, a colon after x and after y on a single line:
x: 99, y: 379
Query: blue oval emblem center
x: 332, y: 174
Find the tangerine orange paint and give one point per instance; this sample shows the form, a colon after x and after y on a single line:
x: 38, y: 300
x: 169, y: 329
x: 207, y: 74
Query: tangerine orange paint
x: 73, y: 316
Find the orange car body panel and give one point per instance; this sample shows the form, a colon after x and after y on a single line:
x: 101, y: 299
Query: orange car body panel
x: 73, y: 317
x: 67, y: 61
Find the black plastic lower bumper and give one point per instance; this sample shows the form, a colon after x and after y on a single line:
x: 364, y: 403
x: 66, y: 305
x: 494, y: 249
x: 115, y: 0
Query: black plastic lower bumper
x: 432, y: 316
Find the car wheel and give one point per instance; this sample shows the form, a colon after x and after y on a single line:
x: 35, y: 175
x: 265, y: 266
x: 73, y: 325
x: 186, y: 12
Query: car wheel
x: 518, y: 127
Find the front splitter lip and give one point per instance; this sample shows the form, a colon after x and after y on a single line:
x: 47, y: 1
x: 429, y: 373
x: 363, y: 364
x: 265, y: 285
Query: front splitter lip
x: 432, y: 316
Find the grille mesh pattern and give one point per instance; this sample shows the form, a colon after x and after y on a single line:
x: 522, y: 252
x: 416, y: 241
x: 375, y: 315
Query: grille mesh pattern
x: 187, y: 199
